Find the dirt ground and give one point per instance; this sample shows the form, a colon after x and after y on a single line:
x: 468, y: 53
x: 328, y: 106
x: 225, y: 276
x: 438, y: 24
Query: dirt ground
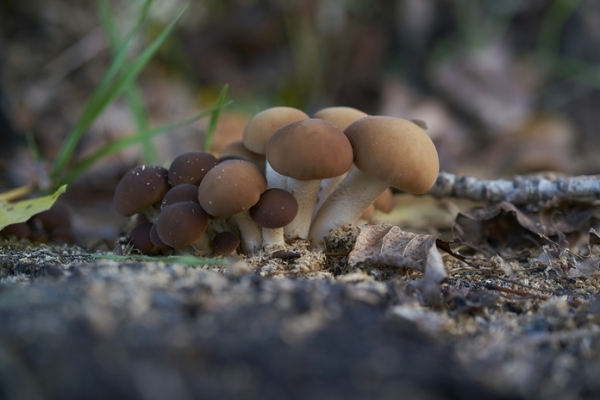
x: 77, y: 325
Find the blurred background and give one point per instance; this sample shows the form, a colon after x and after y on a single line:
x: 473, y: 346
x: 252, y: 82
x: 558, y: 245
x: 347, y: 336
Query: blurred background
x: 505, y: 87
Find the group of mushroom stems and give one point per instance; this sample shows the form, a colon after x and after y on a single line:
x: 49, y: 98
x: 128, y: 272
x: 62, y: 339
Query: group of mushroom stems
x: 291, y: 177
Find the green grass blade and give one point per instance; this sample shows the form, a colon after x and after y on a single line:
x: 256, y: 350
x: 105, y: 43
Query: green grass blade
x: 214, y: 118
x: 190, y: 261
x: 119, y: 144
x: 132, y: 95
x: 107, y: 95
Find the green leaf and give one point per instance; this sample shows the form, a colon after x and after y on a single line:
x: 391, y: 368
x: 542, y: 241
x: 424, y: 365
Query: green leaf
x: 214, y: 118
x: 21, y: 211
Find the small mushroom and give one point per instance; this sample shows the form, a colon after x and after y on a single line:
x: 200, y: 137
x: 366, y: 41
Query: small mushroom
x: 275, y: 209
x: 140, y: 190
x: 308, y: 151
x: 185, y: 192
x: 183, y: 224
x: 388, y: 151
x: 385, y: 201
x: 229, y: 190
x: 140, y: 238
x: 225, y: 243
x: 156, y: 240
x: 259, y: 130
x: 190, y: 167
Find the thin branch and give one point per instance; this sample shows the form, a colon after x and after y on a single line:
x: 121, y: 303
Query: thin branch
x: 519, y: 191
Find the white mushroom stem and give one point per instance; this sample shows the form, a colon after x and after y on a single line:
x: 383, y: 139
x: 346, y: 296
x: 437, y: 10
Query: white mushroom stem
x: 274, y: 179
x: 306, y: 193
x: 327, y: 187
x: 346, y: 204
x: 273, y: 237
x: 202, y: 246
x: 251, y: 236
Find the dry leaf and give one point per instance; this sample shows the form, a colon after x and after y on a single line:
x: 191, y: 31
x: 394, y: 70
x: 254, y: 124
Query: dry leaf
x: 21, y: 211
x: 391, y: 246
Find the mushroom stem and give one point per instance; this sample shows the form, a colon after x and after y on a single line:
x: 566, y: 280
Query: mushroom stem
x: 273, y: 237
x: 202, y: 246
x: 274, y: 179
x: 306, y: 193
x: 327, y: 187
x: 346, y: 204
x: 249, y: 232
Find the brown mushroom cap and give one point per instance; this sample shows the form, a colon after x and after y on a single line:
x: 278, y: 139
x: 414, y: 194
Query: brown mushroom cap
x: 340, y: 116
x: 231, y: 187
x: 225, y: 243
x: 181, y: 224
x: 190, y: 167
x: 237, y: 150
x: 310, y: 149
x: 140, y: 238
x: 181, y: 193
x: 262, y: 126
x: 395, y: 151
x: 156, y: 240
x: 140, y: 188
x: 276, y: 208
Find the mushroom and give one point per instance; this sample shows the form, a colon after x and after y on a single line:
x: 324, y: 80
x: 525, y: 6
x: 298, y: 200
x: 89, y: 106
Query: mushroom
x: 229, y: 190
x: 140, y: 190
x: 308, y: 151
x: 340, y: 117
x: 140, y: 238
x: 275, y: 209
x: 237, y: 150
x: 225, y: 243
x: 190, y: 167
x: 183, y: 224
x: 259, y: 130
x: 185, y: 192
x: 156, y: 240
x: 388, y: 151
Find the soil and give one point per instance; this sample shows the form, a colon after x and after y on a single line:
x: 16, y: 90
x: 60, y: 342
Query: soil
x: 77, y: 325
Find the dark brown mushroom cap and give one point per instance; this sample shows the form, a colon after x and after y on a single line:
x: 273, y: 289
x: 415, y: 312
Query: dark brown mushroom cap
x: 185, y: 192
x: 190, y: 167
x: 225, y: 243
x: 181, y: 224
x: 156, y: 240
x: 231, y: 187
x: 276, y: 208
x: 262, y: 126
x: 20, y: 230
x: 140, y: 188
x: 56, y: 217
x: 140, y: 238
x: 309, y: 149
x: 340, y: 116
x: 396, y: 151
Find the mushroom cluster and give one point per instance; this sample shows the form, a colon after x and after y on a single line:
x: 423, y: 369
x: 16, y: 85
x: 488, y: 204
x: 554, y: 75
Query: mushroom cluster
x: 291, y: 177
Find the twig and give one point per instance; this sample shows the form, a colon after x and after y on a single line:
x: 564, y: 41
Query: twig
x: 519, y: 191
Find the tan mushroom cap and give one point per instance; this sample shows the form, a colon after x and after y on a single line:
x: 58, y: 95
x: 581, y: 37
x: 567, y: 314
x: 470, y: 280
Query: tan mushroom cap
x: 231, y: 187
x: 311, y: 149
x: 395, y: 151
x: 237, y: 150
x: 340, y: 116
x: 261, y: 127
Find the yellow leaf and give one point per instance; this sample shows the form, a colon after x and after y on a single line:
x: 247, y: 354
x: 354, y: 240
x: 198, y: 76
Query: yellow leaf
x: 21, y: 211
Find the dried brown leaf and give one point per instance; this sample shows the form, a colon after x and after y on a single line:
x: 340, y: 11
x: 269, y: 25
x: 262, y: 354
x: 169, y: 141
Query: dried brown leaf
x: 391, y: 246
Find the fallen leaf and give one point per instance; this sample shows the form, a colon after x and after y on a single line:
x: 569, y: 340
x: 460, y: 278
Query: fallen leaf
x: 21, y: 211
x: 389, y: 245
